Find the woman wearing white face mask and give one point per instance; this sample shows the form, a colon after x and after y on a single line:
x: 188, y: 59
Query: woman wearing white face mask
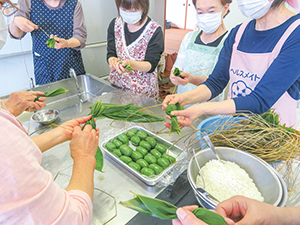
x: 199, y: 50
x: 134, y: 39
x: 260, y: 60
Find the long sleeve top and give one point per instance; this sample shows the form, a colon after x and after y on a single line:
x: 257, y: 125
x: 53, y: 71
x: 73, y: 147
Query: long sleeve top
x: 154, y: 50
x: 79, y: 30
x: 283, y: 74
x: 28, y: 193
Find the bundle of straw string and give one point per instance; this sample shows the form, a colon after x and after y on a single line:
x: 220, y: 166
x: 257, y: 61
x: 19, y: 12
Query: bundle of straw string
x: 270, y: 142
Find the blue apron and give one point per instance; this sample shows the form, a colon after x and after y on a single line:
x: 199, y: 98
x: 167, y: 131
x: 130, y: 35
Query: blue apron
x: 52, y: 64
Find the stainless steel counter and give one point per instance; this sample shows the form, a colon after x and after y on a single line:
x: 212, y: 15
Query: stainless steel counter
x: 116, y: 182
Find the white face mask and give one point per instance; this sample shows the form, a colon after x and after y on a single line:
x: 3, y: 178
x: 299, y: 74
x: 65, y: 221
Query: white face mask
x: 209, y: 22
x: 254, y: 9
x: 131, y: 17
x: 3, y: 31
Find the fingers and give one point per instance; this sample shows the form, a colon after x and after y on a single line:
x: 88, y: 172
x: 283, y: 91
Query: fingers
x: 168, y: 125
x: 82, y: 120
x: 190, y: 207
x: 186, y: 217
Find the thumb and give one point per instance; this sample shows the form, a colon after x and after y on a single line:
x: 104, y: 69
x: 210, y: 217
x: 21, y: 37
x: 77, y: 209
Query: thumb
x: 178, y: 113
x: 186, y: 217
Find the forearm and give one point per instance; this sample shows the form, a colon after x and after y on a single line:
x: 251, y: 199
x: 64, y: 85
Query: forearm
x: 143, y: 66
x: 197, y: 80
x: 73, y: 43
x: 212, y: 108
x: 83, y: 175
x: 15, y: 31
x: 50, y: 139
x: 199, y: 94
x: 288, y: 216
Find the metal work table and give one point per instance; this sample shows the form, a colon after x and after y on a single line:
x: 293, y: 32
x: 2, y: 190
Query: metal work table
x: 115, y: 184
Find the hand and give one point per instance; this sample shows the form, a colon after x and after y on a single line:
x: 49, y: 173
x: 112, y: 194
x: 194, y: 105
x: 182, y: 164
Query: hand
x: 179, y: 81
x: 24, y: 24
x: 124, y: 63
x: 187, y: 116
x: 114, y: 64
x: 173, y: 99
x: 84, y: 142
x: 186, y: 217
x: 60, y: 42
x: 240, y: 210
x: 19, y: 102
x: 68, y: 127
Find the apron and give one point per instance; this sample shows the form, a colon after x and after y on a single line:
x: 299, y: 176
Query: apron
x: 136, y: 81
x: 245, y: 74
x: 200, y: 57
x: 52, y: 64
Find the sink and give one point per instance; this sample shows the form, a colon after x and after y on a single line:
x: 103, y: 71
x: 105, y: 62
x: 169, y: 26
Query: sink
x: 90, y: 87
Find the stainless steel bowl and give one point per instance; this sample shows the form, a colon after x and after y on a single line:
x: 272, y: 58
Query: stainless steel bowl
x: 45, y: 116
x: 267, y: 180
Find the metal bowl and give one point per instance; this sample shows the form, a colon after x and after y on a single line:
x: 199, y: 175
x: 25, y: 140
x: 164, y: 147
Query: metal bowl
x: 45, y: 116
x: 267, y: 180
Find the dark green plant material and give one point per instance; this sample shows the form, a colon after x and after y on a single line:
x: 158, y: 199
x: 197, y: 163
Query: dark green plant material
x: 128, y: 113
x: 127, y: 67
x: 273, y: 118
x: 166, y: 211
x: 50, y: 43
x: 174, y: 123
x: 177, y: 73
x: 52, y: 93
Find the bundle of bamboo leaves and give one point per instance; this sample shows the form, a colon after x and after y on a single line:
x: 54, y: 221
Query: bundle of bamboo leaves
x: 260, y: 135
x: 166, y: 211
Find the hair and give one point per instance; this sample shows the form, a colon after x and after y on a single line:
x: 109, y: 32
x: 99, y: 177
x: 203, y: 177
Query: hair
x: 223, y: 2
x: 277, y: 3
x: 134, y: 4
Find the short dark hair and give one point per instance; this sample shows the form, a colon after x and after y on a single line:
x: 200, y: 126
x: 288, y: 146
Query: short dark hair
x: 134, y: 4
x: 223, y: 2
x: 277, y: 3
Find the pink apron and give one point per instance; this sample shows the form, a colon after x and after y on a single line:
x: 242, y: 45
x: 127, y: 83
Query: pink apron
x: 136, y: 81
x: 246, y: 71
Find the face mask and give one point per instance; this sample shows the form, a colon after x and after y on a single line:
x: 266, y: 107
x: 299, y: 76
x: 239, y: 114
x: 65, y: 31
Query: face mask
x: 3, y: 31
x: 209, y: 22
x: 131, y: 17
x: 254, y: 9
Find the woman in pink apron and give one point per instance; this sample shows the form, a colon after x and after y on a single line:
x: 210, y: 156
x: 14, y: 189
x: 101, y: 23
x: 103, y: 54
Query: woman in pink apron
x: 134, y: 39
x: 259, y: 60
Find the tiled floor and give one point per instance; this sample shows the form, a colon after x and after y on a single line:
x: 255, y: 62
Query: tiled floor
x: 173, y: 38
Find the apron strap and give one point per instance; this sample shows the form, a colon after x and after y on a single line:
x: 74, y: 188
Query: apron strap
x: 239, y: 33
x: 285, y: 36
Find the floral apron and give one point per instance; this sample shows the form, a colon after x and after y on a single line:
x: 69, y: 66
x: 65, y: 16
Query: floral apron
x: 51, y: 64
x: 245, y: 74
x: 136, y: 81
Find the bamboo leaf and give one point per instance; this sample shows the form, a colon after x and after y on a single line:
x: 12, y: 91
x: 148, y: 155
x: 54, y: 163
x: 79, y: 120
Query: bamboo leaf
x: 177, y: 73
x: 50, y: 43
x: 52, y: 93
x: 99, y: 160
x: 137, y: 205
x: 174, y: 123
x: 209, y: 217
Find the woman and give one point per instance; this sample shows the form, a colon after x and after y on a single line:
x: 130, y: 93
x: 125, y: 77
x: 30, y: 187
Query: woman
x: 259, y: 60
x: 136, y: 40
x: 199, y: 50
x: 62, y: 18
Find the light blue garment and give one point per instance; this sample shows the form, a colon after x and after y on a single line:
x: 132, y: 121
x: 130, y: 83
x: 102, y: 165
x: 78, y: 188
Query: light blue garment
x: 199, y: 57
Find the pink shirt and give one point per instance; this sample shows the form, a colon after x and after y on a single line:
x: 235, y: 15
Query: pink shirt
x: 28, y: 194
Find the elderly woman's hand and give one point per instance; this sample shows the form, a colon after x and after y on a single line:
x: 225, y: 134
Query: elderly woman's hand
x: 19, y: 102
x: 178, y: 80
x: 24, y: 24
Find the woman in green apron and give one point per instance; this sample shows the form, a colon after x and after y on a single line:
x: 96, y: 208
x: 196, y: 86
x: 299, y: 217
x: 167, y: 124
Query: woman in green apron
x: 200, y: 49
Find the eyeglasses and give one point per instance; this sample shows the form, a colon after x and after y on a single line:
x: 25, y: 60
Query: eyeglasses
x: 9, y: 8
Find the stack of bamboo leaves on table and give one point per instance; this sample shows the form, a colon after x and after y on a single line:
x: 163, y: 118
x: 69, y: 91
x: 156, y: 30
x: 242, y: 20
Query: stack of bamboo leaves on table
x: 261, y: 135
x: 128, y: 113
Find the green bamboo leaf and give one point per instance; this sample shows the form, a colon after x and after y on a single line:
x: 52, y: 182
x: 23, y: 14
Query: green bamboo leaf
x: 161, y: 209
x: 127, y: 67
x: 115, y: 108
x: 52, y: 93
x: 174, y: 123
x: 137, y: 205
x: 99, y: 160
x: 177, y: 73
x: 209, y: 217
x: 50, y: 43
x: 96, y: 109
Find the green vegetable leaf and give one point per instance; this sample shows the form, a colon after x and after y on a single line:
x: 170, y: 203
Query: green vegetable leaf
x: 50, y: 43
x: 99, y: 160
x: 127, y: 67
x: 177, y: 73
x: 209, y: 217
x: 52, y: 93
x: 174, y: 123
